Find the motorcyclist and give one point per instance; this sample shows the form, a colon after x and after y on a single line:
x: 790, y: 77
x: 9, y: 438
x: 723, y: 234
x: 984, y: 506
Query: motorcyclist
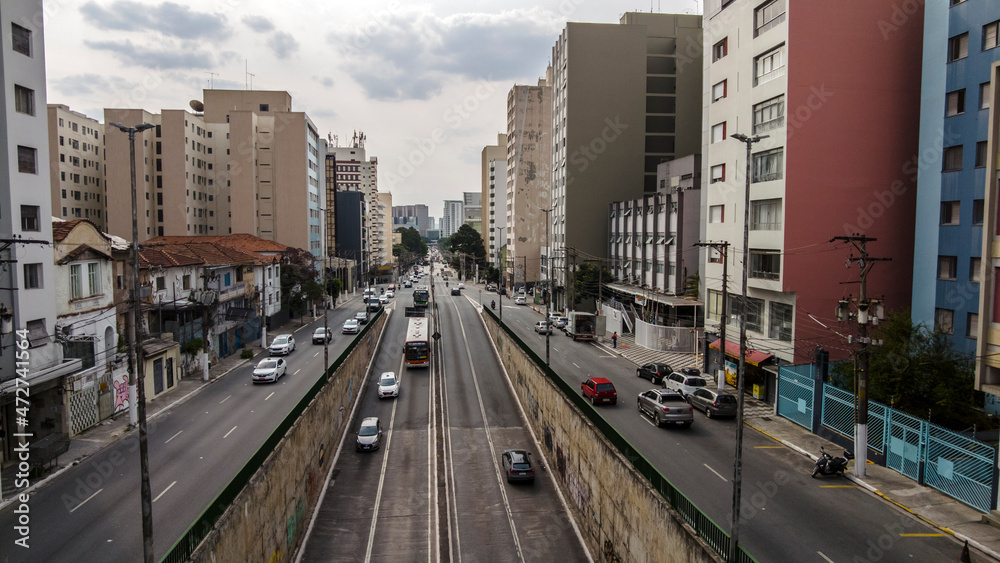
x: 493, y: 304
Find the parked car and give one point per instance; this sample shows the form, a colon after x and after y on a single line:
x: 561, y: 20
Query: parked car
x: 654, y: 372
x: 283, y: 344
x: 666, y: 407
x: 388, y: 385
x: 517, y: 466
x: 599, y: 390
x: 491, y: 287
x: 361, y: 317
x: 269, y: 369
x: 558, y: 320
x: 351, y: 326
x: 714, y: 403
x: 369, y: 435
x: 456, y: 291
x: 683, y: 383
x: 321, y: 336
x: 543, y: 327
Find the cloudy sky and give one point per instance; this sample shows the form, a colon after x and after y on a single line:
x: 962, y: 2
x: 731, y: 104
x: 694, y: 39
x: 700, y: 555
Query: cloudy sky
x: 426, y: 82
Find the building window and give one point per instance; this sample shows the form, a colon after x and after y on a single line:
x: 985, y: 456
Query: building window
x: 765, y: 264
x: 264, y: 107
x: 717, y: 214
x: 977, y: 211
x: 974, y: 265
x: 94, y: 278
x: 714, y: 305
x: 955, y: 103
x: 981, y: 154
x: 955, y: 2
x: 767, y: 165
x: 718, y: 173
x: 958, y: 47
x: 37, y: 334
x: 161, y: 283
x: 767, y: 16
x: 30, y: 218
x: 719, y: 91
x: 769, y: 66
x: 765, y: 215
x: 947, y: 267
x: 990, y: 35
x: 949, y: 212
x: 972, y: 325
x: 20, y: 39
x: 755, y: 312
x: 24, y: 100
x: 32, y: 276
x: 714, y: 256
x: 952, y: 158
x: 75, y: 281
x: 719, y: 132
x: 769, y: 114
x: 779, y: 325
x: 985, y: 91
x: 26, y: 157
x: 720, y: 49
x: 944, y: 321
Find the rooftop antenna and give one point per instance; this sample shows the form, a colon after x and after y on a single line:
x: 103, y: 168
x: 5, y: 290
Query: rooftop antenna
x: 211, y: 79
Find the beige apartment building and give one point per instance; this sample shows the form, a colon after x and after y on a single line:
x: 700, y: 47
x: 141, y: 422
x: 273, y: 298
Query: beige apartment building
x: 494, y: 198
x: 528, y: 174
x: 76, y: 155
x: 382, y: 229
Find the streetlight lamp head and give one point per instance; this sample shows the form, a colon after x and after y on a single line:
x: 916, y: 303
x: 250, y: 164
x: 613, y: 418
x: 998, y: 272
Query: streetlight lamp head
x: 144, y: 126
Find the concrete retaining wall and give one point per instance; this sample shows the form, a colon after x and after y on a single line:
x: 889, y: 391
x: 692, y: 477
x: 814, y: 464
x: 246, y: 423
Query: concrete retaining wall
x: 621, y: 517
x: 269, y: 518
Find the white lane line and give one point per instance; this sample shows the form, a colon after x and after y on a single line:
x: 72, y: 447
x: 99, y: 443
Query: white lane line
x: 577, y: 367
x: 269, y: 396
x: 451, y: 495
x: 716, y: 473
x: 164, y: 491
x: 296, y: 372
x: 174, y: 436
x: 85, y: 500
x: 381, y: 484
x: 228, y: 433
x: 316, y: 354
x: 828, y: 560
x: 224, y: 400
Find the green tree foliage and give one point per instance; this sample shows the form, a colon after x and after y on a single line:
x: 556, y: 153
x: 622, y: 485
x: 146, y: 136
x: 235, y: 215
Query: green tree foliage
x: 691, y: 285
x: 468, y: 242
x: 312, y: 291
x: 333, y: 288
x: 587, y: 279
x: 444, y: 244
x: 916, y: 371
x: 411, y: 241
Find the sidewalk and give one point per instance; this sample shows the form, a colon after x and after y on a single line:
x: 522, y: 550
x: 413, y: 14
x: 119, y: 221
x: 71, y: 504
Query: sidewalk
x: 102, y: 434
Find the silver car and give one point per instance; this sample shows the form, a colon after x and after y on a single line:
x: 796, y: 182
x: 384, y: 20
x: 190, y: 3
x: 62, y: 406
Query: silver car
x: 666, y: 407
x: 269, y: 369
x: 369, y: 435
x: 282, y: 344
x: 714, y: 403
x: 388, y: 385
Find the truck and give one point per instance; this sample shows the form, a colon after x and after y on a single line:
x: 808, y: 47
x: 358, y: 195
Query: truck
x: 581, y: 326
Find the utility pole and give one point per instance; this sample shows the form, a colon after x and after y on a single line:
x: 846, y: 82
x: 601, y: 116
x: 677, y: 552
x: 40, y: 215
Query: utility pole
x: 548, y: 270
x: 865, y: 263
x: 723, y: 248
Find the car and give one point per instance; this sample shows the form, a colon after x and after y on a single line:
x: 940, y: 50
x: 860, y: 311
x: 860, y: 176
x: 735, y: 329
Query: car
x: 390, y: 294
x: 388, y: 385
x: 683, y: 383
x: 392, y: 287
x: 408, y: 283
x: 369, y: 435
x: 456, y: 291
x: 654, y: 372
x: 714, y: 403
x: 543, y: 327
x: 599, y: 390
x: 666, y: 407
x: 461, y: 285
x: 351, y: 326
x: 322, y: 336
x: 558, y: 320
x: 520, y: 300
x: 491, y: 287
x: 269, y: 369
x: 517, y: 466
x: 382, y: 299
x: 283, y: 344
x: 361, y: 317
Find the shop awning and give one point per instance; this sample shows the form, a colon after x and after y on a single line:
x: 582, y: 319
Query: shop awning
x: 753, y: 357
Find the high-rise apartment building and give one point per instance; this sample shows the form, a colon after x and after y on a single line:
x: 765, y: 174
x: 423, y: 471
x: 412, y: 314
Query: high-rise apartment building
x: 382, y: 230
x: 76, y: 146
x: 355, y: 172
x: 451, y: 217
x: 472, y: 210
x: 412, y: 216
x: 841, y: 133
x: 625, y: 97
x: 529, y: 176
x: 494, y: 196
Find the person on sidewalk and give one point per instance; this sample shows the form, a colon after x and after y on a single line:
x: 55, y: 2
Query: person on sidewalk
x: 614, y: 340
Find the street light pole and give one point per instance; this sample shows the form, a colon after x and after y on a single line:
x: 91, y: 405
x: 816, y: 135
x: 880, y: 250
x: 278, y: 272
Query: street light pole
x: 548, y: 274
x: 137, y: 383
x: 500, y: 276
x: 741, y: 377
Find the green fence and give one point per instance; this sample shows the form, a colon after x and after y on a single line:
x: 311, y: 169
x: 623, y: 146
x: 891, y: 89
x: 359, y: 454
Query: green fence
x: 183, y: 548
x: 710, y: 532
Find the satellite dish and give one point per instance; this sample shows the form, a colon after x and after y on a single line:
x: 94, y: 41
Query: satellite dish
x: 197, y: 106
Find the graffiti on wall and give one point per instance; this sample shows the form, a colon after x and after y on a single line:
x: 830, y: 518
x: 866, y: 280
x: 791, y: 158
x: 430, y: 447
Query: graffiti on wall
x: 579, y: 492
x: 120, y: 385
x: 293, y: 524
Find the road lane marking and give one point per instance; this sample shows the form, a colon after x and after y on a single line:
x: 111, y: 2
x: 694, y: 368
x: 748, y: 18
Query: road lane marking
x: 228, y: 433
x: 381, y: 484
x: 174, y: 436
x: 920, y: 535
x: 164, y: 491
x: 769, y: 447
x: 85, y: 500
x: 296, y: 372
x: 716, y: 473
x: 828, y: 560
x: 837, y: 486
x: 316, y: 354
x: 269, y: 396
x: 224, y: 400
x: 577, y: 367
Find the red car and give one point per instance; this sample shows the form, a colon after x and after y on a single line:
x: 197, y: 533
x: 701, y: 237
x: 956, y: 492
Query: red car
x: 599, y: 390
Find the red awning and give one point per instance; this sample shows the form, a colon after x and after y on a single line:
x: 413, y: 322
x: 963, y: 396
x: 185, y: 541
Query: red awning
x: 753, y: 357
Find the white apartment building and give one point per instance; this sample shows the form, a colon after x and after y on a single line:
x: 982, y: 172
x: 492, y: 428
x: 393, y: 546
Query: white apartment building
x: 451, y: 217
x: 76, y: 145
x: 494, y: 197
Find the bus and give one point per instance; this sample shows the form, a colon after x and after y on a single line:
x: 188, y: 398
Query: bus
x: 417, y: 347
x: 420, y: 296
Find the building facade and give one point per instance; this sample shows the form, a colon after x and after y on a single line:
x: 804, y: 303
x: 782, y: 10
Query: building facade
x: 412, y: 216
x: 451, y: 217
x: 76, y: 148
x: 472, y: 210
x: 494, y: 196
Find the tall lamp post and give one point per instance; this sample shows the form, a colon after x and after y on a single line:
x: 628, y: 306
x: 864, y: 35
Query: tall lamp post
x: 137, y: 387
x: 500, y: 275
x: 548, y: 274
x: 738, y: 460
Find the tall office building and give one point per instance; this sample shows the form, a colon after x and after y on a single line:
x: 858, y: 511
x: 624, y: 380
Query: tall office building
x: 382, y: 230
x: 840, y: 132
x: 356, y: 172
x: 472, y: 210
x: 494, y: 196
x: 625, y: 97
x: 451, y: 217
x: 529, y: 176
x: 412, y: 215
x: 76, y: 146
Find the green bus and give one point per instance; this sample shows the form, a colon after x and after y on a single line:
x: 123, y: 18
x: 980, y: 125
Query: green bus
x: 420, y: 296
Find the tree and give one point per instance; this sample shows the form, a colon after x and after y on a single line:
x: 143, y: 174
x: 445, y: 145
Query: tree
x: 467, y: 241
x: 333, y: 288
x: 587, y: 280
x: 444, y: 244
x: 411, y: 241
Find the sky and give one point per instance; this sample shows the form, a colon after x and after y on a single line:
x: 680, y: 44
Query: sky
x: 426, y: 82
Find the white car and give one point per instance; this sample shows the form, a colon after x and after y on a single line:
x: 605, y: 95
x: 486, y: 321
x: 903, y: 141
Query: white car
x: 351, y: 326
x: 520, y: 300
x: 283, y: 344
x: 558, y: 320
x: 543, y: 327
x: 461, y: 285
x: 388, y: 385
x: 269, y: 369
x: 322, y: 336
x: 390, y: 294
x: 383, y: 299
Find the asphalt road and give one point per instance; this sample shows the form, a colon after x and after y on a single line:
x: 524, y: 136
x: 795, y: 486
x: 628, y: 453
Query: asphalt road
x: 435, y: 491
x: 786, y: 514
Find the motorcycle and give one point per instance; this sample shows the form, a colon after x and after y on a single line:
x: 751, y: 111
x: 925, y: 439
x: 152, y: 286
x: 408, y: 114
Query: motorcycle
x: 493, y: 304
x: 829, y: 465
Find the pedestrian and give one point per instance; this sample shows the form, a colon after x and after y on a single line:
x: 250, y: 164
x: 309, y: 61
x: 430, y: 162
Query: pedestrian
x: 614, y: 339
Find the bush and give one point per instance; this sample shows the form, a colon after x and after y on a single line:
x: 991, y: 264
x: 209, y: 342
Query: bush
x: 193, y: 346
x: 246, y: 354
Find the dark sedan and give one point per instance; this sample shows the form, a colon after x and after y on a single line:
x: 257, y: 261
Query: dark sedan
x: 654, y: 372
x: 517, y: 466
x: 714, y: 403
